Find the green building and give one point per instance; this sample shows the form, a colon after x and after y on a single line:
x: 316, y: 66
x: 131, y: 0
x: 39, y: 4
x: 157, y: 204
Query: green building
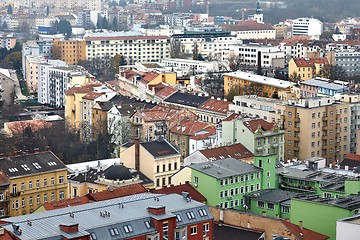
x: 225, y: 182
x: 257, y: 135
x: 272, y: 203
x: 320, y: 214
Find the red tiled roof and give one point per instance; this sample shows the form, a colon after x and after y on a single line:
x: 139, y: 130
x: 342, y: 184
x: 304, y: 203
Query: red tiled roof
x: 310, y: 62
x: 352, y: 156
x: 179, y: 189
x: 215, y: 105
x: 66, y: 202
x: 188, y: 127
x: 148, y: 77
x: 117, y: 192
x: 237, y: 151
x: 210, y: 131
x: 253, y: 125
x: 231, y: 117
x: 20, y: 126
x: 83, y: 89
x: 304, y: 233
x: 92, y: 95
x: 165, y: 92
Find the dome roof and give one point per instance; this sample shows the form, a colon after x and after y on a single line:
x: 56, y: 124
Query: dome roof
x: 117, y: 172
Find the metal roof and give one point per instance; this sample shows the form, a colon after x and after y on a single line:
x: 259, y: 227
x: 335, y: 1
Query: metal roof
x: 224, y: 168
x: 100, y: 217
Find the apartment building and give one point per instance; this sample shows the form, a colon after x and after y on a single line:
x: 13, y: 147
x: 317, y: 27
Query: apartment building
x: 252, y: 84
x: 349, y: 61
x: 250, y: 30
x: 322, y: 87
x: 34, y: 180
x: 207, y: 43
x: 157, y: 160
x: 132, y: 45
x: 4, y: 195
x: 189, y: 66
x: 270, y: 56
x: 32, y: 72
x: 307, y: 68
x: 72, y: 51
x: 7, y: 42
x: 316, y: 127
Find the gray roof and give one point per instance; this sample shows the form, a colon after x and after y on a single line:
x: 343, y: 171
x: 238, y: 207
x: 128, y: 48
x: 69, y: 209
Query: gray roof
x: 45, y: 225
x: 159, y: 149
x: 350, y: 202
x: 271, y: 195
x: 323, y: 84
x: 224, y: 168
x: 30, y: 164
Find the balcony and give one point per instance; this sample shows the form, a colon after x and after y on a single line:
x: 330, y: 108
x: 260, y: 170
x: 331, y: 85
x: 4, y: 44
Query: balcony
x: 325, y: 118
x: 297, y: 120
x: 14, y: 194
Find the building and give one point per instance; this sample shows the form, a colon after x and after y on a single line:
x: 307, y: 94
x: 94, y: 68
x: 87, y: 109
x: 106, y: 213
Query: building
x: 307, y: 27
x: 189, y: 67
x: 257, y: 135
x: 322, y: 87
x: 316, y: 127
x: 31, y: 72
x: 179, y: 189
x: 307, y: 68
x: 325, y: 212
x: 252, y: 84
x: 34, y: 180
x: 213, y: 110
x: 349, y: 60
x: 273, y: 227
x: 135, y: 217
x: 255, y: 54
x: 181, y: 133
x: 157, y: 160
x: 224, y: 232
x: 135, y: 47
x: 236, y: 151
x: 250, y: 30
x: 72, y: 51
x: 4, y: 195
x: 271, y: 203
x: 351, y: 161
x: 348, y: 228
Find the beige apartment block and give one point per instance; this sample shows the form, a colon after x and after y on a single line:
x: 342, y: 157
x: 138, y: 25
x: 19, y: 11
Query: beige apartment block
x: 316, y: 127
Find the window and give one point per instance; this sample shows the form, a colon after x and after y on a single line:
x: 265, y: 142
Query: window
x: 52, y: 196
x: 178, y: 218
x: 190, y: 215
x: 45, y: 197
x: 61, y: 195
x: 206, y: 228
x: 52, y: 181
x: 261, y: 204
x: 147, y: 224
x: 38, y: 199
x: 61, y: 179
x: 193, y: 230
x: 165, y: 230
x: 164, y: 168
x: 23, y: 202
x: 271, y: 206
x: 196, y: 179
x: 93, y: 236
x: 169, y: 166
x: 157, y: 168
x: 203, y: 212
x: 22, y: 186
x: 37, y: 183
x: 30, y: 185
x: 114, y: 231
x: 128, y: 228
x: 45, y: 182
x: 285, y: 209
x: 30, y: 201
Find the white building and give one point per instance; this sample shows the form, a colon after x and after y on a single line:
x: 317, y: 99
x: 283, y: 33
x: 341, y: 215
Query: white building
x: 271, y: 56
x: 188, y: 66
x: 307, y: 27
x: 133, y: 45
x: 348, y: 228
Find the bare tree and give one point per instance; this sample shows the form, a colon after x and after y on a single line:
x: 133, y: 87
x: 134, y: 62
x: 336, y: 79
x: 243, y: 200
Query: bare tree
x: 177, y: 49
x: 294, y: 77
x: 120, y: 133
x: 333, y: 72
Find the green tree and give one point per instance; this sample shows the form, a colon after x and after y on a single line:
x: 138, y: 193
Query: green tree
x: 13, y: 61
x: 114, y: 25
x: 294, y: 77
x: 333, y: 72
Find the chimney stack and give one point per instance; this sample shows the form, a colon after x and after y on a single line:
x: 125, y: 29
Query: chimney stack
x: 301, y: 224
x: 137, y: 154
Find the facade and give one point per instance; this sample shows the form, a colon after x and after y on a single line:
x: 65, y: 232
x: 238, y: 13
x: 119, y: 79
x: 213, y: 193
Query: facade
x: 31, y: 72
x: 157, y: 216
x: 257, y: 135
x: 135, y: 47
x: 34, y: 179
x: 72, y: 51
x: 271, y: 56
x: 4, y: 195
x: 322, y: 87
x: 213, y: 110
x: 307, y: 68
x: 188, y: 67
x: 347, y: 228
x: 324, y: 212
x: 252, y: 84
x: 251, y: 30
x: 307, y: 27
x: 349, y: 61
x: 157, y: 160
x: 316, y: 127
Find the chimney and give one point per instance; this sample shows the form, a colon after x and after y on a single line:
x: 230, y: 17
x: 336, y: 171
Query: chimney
x: 301, y: 225
x: 185, y: 195
x: 137, y: 154
x: 69, y: 228
x: 157, y: 210
x: 263, y: 213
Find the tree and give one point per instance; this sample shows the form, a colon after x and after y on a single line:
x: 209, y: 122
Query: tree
x: 233, y: 91
x: 177, y: 49
x: 63, y: 26
x: 195, y: 51
x: 9, y: 9
x: 294, y: 77
x: 200, y: 57
x: 24, y: 27
x: 114, y: 25
x: 333, y: 72
x: 104, y: 23
x: 116, y: 61
x: 235, y: 62
x: 214, y: 85
x: 13, y: 61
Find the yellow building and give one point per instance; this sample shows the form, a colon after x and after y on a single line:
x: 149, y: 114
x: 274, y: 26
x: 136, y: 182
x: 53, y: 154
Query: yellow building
x: 157, y: 160
x: 73, y: 103
x: 71, y: 51
x: 307, y: 68
x: 34, y: 180
x: 244, y: 83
